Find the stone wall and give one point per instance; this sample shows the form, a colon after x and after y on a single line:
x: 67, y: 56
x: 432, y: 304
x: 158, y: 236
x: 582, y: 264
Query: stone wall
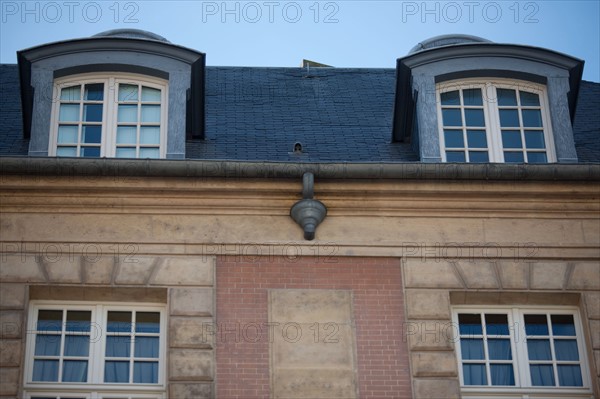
x: 184, y: 284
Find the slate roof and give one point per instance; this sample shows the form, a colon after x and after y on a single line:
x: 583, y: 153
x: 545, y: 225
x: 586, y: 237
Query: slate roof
x: 338, y: 114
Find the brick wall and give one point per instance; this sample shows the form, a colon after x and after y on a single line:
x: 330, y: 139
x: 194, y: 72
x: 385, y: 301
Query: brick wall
x: 242, y: 305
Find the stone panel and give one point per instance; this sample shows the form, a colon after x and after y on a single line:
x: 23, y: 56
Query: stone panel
x: 434, y: 364
x: 595, y: 333
x: 548, y: 275
x: 191, y: 332
x: 12, y: 296
x: 479, y: 274
x: 67, y: 269
x: 314, y: 383
x: 11, y: 324
x: 592, y: 304
x: 305, y: 365
x: 513, y: 275
x: 597, y: 360
x: 195, y: 391
x: 99, y: 271
x: 429, y: 335
x: 9, y: 381
x: 436, y: 388
x: 10, y: 352
x: 427, y: 304
x: 585, y: 276
x: 191, y: 365
x: 185, y: 271
x: 20, y: 269
x: 135, y: 270
x: 310, y: 306
x: 192, y: 302
x: 430, y: 274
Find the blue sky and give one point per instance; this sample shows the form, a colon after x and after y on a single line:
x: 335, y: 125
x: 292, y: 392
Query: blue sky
x: 338, y: 33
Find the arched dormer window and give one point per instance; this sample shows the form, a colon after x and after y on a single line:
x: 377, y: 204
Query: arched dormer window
x: 109, y: 115
x: 494, y: 120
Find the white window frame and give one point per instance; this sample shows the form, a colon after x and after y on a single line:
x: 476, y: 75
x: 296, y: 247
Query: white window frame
x: 95, y: 388
x: 523, y: 388
x: 110, y: 107
x: 491, y: 114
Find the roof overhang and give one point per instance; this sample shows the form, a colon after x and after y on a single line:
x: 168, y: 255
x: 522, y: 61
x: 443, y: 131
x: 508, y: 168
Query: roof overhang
x: 402, y: 124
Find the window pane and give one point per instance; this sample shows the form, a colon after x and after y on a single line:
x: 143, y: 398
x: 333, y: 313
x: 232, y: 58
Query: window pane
x: 149, y: 153
x: 150, y: 135
x: 499, y: 349
x: 116, y: 371
x: 566, y: 349
x: 119, y: 322
x: 127, y: 113
x: 147, y: 322
x: 66, y: 152
x: 67, y: 134
x: 47, y: 345
x: 496, y: 324
x: 469, y: 324
x: 513, y: 157
x: 146, y: 347
x: 539, y: 349
x: 72, y: 93
x: 542, y: 375
x: 506, y: 97
x: 569, y: 376
x: 536, y: 324
x: 45, y: 370
x: 94, y: 92
x: 150, y: 94
x: 511, y: 139
x: 50, y: 320
x: 509, y: 118
x: 476, y: 138
x: 90, y: 152
x: 78, y: 320
x: 451, y: 117
x: 145, y: 372
x: 529, y: 99
x: 534, y: 139
x: 118, y: 346
x: 77, y: 345
x: 471, y: 349
x: 69, y: 113
x: 472, y: 97
x: 478, y: 156
x: 563, y: 325
x: 474, y: 374
x: 92, y: 113
x: 502, y: 374
x: 474, y: 117
x: 126, y: 135
x: 128, y: 92
x: 92, y: 134
x: 455, y: 156
x: 75, y: 371
x: 532, y: 118
x: 454, y: 138
x: 151, y: 113
x: 450, y: 98
x: 537, y: 157
x: 126, y: 152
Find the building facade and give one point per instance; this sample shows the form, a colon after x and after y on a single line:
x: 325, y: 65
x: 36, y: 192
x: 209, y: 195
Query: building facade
x: 172, y: 230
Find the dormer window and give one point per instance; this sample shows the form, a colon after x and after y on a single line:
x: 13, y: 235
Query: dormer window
x: 494, y: 121
x: 122, y: 116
